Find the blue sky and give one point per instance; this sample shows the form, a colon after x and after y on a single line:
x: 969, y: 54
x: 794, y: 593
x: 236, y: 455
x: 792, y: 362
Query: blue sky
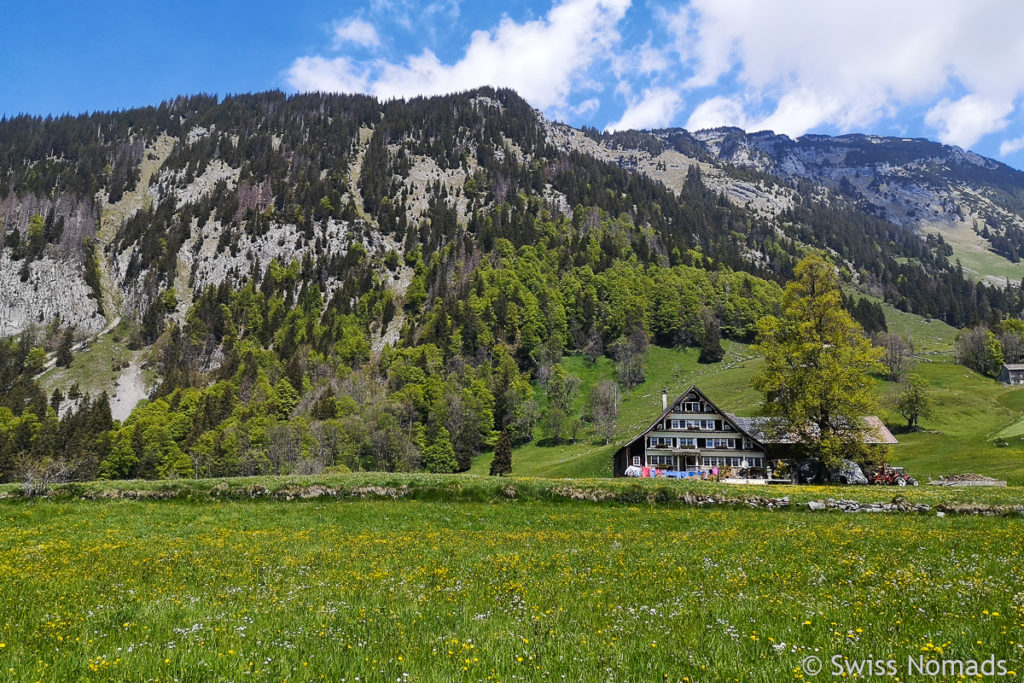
x: 943, y: 69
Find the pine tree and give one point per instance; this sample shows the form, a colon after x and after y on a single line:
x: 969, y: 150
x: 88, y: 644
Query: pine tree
x: 64, y: 355
x: 502, y: 462
x: 711, y: 350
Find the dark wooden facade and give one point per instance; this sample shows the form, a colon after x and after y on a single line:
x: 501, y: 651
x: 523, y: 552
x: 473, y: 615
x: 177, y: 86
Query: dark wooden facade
x: 691, y: 434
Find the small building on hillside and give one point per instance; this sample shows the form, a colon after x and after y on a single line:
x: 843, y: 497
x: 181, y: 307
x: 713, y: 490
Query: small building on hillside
x: 694, y: 435
x: 1011, y: 373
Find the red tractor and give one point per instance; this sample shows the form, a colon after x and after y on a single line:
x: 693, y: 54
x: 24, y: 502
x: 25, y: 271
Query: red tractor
x: 891, y: 476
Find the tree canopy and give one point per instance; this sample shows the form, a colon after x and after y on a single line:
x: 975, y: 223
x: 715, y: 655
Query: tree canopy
x: 817, y: 370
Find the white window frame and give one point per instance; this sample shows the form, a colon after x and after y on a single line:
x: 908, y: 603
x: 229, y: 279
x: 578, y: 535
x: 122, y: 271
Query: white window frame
x: 636, y: 461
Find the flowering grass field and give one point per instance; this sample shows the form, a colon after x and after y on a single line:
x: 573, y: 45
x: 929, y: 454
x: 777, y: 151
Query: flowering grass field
x: 413, y: 590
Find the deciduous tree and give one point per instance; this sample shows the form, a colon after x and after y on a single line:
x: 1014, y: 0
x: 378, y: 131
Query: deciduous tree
x: 914, y: 400
x: 558, y: 418
x: 604, y: 400
x: 815, y: 377
x: 898, y: 354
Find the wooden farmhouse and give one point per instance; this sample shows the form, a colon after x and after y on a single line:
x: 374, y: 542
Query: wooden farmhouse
x: 693, y: 435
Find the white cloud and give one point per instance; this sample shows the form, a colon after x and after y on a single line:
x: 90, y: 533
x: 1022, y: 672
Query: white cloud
x: 1010, y: 146
x: 310, y: 74
x: 643, y: 60
x: 850, y: 63
x: 654, y: 109
x: 965, y: 121
x: 587, y: 107
x: 544, y: 59
x: 718, y: 111
x: 356, y: 31
x: 786, y: 65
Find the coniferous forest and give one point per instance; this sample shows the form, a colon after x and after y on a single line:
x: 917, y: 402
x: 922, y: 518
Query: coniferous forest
x: 331, y: 281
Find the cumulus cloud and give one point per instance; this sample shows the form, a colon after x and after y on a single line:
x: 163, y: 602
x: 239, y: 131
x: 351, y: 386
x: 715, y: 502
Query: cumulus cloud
x: 944, y: 68
x: 1010, y: 146
x: 655, y: 108
x: 718, y: 111
x: 356, y: 31
x: 587, y: 107
x: 966, y: 120
x: 849, y: 63
x: 543, y: 59
x: 341, y: 74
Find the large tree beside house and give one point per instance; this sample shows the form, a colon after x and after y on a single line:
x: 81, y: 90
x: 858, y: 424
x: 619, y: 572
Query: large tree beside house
x: 816, y: 378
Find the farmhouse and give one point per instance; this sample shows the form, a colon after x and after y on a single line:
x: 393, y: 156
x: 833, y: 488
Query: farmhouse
x: 692, y: 435
x: 1012, y: 373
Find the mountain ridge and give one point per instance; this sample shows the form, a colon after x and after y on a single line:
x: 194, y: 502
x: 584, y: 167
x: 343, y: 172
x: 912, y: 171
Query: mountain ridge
x: 203, y: 171
x: 316, y: 280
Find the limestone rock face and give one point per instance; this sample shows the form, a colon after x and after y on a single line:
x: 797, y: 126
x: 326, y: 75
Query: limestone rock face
x: 54, y: 288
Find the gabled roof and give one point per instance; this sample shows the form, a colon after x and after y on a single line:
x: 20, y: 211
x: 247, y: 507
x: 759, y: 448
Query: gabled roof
x: 875, y: 433
x: 731, y: 419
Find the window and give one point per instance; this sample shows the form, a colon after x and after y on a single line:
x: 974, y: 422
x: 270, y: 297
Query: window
x: 687, y: 442
x: 721, y: 443
x: 746, y: 444
x: 708, y: 424
x: 692, y: 407
x: 636, y: 461
x: 666, y: 460
x: 675, y: 424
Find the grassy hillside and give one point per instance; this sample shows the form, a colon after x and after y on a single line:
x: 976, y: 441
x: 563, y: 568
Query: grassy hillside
x: 972, y: 413
x: 728, y: 383
x: 975, y: 254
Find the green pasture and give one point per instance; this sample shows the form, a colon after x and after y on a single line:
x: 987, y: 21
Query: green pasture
x: 424, y: 591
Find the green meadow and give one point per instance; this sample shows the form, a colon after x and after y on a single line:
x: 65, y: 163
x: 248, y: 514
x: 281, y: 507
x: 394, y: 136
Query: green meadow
x: 431, y: 591
x: 978, y: 424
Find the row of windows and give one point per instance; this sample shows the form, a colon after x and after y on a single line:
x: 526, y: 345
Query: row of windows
x: 691, y: 442
x: 673, y: 442
x: 697, y: 424
x: 670, y: 461
x: 756, y: 461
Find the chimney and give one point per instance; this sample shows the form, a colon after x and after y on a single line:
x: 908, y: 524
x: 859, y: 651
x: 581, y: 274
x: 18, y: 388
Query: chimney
x: 664, y: 399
